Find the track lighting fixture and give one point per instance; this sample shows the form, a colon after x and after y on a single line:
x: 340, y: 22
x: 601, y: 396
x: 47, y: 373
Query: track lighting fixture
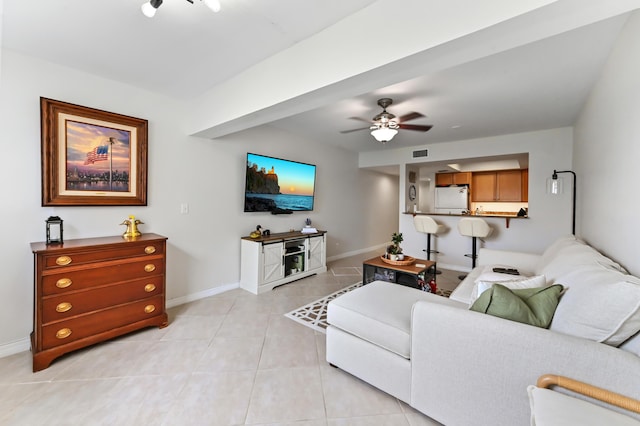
x: 213, y: 5
x: 151, y: 7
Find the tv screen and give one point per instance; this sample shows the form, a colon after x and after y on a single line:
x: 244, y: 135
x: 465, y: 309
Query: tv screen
x: 278, y: 186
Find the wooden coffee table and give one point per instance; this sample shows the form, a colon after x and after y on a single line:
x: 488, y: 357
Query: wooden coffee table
x: 375, y: 269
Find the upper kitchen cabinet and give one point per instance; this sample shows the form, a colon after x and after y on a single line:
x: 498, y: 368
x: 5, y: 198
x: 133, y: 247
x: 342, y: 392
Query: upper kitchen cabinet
x: 498, y: 186
x: 446, y: 179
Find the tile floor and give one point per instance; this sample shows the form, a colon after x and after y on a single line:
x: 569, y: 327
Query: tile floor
x: 230, y: 359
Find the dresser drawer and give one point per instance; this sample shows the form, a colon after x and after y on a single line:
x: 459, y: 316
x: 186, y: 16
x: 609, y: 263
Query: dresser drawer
x: 85, y: 278
x: 63, y: 332
x: 70, y: 304
x: 80, y: 257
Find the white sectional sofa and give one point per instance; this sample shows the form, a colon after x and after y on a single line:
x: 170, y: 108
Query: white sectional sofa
x: 462, y: 367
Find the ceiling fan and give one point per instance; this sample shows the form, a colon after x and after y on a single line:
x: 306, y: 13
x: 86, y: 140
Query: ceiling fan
x: 384, y: 126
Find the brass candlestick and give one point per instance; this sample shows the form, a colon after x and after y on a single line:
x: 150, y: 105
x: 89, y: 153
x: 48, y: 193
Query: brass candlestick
x: 132, y: 227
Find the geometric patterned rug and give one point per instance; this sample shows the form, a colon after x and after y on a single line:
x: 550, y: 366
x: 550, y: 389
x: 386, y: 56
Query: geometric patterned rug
x: 314, y: 314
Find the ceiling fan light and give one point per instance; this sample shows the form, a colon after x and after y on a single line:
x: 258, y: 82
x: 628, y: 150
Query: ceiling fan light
x: 213, y: 5
x: 384, y: 134
x: 150, y: 8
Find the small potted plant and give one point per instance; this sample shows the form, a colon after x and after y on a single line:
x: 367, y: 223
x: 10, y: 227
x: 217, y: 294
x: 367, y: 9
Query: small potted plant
x: 394, y: 251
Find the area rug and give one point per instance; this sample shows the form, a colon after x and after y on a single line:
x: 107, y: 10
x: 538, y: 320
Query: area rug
x: 314, y: 314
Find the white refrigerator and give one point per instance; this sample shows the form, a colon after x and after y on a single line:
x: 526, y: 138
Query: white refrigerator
x: 452, y: 199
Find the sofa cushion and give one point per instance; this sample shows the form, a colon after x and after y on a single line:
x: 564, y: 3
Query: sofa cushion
x: 464, y: 291
x: 551, y: 408
x: 513, y: 283
x: 380, y: 313
x: 600, y: 304
x: 533, y: 306
x: 570, y: 257
x: 552, y: 251
x: 632, y: 344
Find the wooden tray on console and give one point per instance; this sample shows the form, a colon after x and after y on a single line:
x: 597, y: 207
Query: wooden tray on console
x: 408, y: 260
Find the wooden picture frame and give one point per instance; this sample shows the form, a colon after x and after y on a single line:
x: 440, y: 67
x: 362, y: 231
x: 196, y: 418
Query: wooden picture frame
x: 92, y: 157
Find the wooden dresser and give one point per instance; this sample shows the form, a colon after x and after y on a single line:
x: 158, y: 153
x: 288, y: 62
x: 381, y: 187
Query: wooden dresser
x: 93, y: 289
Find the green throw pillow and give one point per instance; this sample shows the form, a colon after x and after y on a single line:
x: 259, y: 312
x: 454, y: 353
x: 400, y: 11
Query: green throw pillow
x: 534, y: 306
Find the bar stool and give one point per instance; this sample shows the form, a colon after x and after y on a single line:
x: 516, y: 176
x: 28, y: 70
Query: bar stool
x: 426, y: 225
x: 475, y: 228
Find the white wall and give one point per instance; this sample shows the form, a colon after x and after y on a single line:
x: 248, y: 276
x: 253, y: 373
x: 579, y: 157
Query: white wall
x: 204, y: 245
x: 549, y: 216
x: 608, y: 154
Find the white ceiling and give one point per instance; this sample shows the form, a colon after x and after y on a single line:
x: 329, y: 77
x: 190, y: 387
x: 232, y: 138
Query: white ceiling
x: 187, y: 49
x: 182, y: 51
x: 539, y: 86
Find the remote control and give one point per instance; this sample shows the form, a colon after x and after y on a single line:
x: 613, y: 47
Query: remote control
x: 510, y: 271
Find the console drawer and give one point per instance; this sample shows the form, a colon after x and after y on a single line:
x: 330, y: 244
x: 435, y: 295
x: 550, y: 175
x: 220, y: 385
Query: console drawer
x: 61, y: 306
x: 88, y: 277
x: 77, y: 257
x: 63, y: 332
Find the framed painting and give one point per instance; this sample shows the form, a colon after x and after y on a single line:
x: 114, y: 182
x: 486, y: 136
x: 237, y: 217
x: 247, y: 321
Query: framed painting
x: 92, y: 157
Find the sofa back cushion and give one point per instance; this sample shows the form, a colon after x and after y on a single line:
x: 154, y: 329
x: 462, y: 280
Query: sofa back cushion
x: 567, y: 254
x: 554, y: 249
x: 600, y: 304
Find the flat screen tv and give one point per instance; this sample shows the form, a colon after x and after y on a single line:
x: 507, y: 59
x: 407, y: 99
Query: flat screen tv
x: 278, y: 186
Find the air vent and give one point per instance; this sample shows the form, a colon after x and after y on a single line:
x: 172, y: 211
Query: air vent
x: 421, y: 153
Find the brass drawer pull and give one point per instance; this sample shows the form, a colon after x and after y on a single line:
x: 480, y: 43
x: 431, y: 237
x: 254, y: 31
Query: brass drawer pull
x: 63, y: 260
x: 149, y: 288
x: 149, y: 308
x: 63, y: 333
x: 149, y: 249
x: 63, y: 282
x: 149, y: 268
x: 64, y: 307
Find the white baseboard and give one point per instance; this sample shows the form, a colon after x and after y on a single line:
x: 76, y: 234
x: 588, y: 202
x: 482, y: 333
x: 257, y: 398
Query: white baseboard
x: 22, y: 345
x: 453, y: 267
x: 15, y: 347
x: 355, y: 252
x: 201, y: 295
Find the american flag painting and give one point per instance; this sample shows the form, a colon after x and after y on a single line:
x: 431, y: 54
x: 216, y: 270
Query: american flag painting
x: 99, y: 153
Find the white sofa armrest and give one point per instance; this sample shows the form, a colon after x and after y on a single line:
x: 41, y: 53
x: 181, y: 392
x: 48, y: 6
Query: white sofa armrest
x: 524, y: 262
x: 473, y: 368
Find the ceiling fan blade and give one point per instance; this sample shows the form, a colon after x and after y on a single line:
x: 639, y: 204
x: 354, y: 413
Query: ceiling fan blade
x: 417, y: 127
x: 354, y: 130
x: 360, y: 119
x: 410, y: 116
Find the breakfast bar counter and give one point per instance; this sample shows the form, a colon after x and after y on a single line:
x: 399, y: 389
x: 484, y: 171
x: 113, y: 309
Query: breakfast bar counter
x: 506, y: 215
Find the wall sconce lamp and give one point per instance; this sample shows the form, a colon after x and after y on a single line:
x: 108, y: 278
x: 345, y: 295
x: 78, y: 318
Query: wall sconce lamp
x: 556, y: 188
x: 54, y: 230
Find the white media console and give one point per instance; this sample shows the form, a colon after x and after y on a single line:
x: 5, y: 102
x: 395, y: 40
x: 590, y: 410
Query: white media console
x: 270, y: 261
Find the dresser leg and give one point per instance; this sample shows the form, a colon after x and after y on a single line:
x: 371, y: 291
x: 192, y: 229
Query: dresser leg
x: 43, y: 360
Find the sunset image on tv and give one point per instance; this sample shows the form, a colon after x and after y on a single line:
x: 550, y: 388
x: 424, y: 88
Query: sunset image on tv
x: 274, y: 183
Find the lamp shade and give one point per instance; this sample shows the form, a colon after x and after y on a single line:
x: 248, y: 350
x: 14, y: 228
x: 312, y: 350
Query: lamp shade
x: 383, y: 134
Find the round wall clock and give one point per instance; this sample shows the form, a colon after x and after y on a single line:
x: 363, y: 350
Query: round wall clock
x: 412, y: 192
